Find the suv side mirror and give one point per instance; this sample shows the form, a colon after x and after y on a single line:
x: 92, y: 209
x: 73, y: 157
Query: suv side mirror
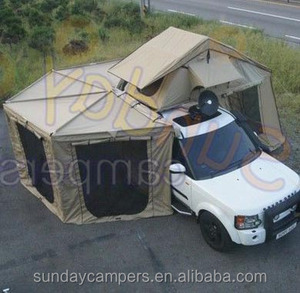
x: 177, y: 169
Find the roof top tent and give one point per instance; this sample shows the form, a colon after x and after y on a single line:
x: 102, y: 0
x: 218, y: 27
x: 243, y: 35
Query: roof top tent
x: 175, y: 66
x: 89, y: 154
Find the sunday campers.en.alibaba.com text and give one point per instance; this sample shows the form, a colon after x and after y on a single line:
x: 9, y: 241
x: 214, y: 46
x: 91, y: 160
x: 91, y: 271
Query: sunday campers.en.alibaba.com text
x: 190, y: 276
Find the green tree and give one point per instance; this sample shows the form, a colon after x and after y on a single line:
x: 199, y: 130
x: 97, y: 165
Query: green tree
x: 36, y: 18
x: 13, y: 33
x: 6, y: 14
x: 11, y: 26
x: 42, y: 38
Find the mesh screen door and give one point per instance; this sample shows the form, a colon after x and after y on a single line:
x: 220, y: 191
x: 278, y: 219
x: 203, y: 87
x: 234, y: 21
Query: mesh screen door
x: 114, y: 177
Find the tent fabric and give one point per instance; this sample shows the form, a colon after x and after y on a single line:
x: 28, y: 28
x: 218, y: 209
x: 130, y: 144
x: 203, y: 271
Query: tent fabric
x: 167, y: 52
x: 270, y: 120
x: 49, y: 115
x: 158, y: 57
x: 215, y: 71
x: 80, y: 80
x: 95, y: 73
x: 99, y: 118
x: 217, y: 46
x: 174, y: 90
x: 54, y: 85
x: 109, y: 116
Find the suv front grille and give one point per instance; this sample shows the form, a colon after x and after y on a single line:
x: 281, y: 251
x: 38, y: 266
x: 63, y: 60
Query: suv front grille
x: 273, y: 228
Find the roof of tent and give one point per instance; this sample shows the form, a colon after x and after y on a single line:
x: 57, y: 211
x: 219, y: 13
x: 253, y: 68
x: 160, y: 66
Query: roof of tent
x: 167, y: 52
x: 65, y: 103
x: 86, y: 79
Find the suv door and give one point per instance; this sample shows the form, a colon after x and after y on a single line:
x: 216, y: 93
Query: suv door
x: 181, y: 183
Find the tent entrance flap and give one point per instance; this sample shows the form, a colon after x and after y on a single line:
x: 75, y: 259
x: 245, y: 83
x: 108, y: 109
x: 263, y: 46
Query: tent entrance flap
x: 36, y: 161
x: 114, y: 177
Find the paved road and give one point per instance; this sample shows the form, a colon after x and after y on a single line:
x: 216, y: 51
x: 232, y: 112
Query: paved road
x: 35, y: 241
x: 277, y: 19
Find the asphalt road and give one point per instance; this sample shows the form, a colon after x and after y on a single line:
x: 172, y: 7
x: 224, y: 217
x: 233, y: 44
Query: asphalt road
x: 277, y: 19
x: 34, y: 241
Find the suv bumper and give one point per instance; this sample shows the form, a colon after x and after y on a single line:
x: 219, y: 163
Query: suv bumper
x: 253, y: 236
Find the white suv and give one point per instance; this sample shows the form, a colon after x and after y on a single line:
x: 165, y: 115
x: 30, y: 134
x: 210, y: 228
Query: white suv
x: 221, y: 175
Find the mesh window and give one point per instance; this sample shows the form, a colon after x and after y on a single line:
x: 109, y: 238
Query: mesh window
x: 247, y: 102
x: 38, y: 168
x: 251, y: 103
x: 111, y: 176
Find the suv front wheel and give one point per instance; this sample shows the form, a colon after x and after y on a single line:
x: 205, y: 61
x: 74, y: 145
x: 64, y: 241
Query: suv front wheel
x: 214, y: 233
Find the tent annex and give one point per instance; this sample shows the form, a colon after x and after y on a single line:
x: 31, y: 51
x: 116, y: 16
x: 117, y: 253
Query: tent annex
x: 90, y: 155
x: 176, y: 65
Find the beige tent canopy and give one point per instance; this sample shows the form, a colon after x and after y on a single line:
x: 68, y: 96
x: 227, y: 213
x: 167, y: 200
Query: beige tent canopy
x: 175, y: 66
x: 90, y: 154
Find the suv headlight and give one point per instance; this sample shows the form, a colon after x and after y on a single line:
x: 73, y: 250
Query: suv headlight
x: 247, y: 222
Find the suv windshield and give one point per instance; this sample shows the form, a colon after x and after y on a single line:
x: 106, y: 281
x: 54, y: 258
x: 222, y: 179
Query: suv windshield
x: 217, y: 152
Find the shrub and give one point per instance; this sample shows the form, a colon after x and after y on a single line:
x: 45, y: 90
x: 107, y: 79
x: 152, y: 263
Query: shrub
x: 79, y: 21
x: 84, y: 36
x: 114, y: 21
x: 35, y: 18
x: 13, y: 33
x: 80, y: 7
x: 125, y: 15
x: 99, y: 14
x: 75, y: 47
x: 42, y: 39
x: 48, y: 5
x: 6, y: 16
x: 129, y: 9
x: 12, y: 30
x: 135, y: 25
x: 103, y: 34
x: 62, y: 13
x: 15, y: 4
